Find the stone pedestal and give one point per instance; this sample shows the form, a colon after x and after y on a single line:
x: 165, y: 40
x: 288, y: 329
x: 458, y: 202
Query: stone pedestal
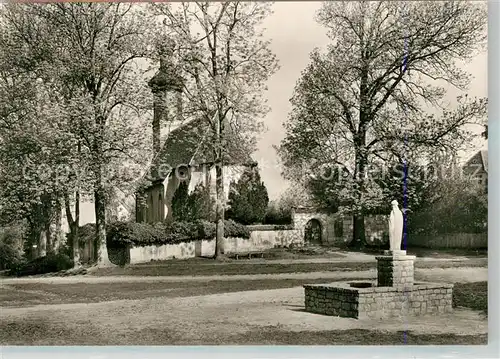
x: 395, y: 269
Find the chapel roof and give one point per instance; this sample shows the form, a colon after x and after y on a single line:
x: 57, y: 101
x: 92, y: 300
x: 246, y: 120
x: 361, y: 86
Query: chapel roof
x: 191, y: 144
x: 481, y: 158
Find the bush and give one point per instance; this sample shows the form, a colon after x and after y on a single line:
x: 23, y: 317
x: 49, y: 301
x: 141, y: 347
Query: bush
x: 456, y: 205
x: 278, y: 215
x: 234, y: 229
x: 192, y: 207
x: 202, y: 204
x: 181, y: 209
x: 126, y: 233
x: 11, y: 244
x: 120, y: 234
x: 248, y: 198
x: 48, y: 264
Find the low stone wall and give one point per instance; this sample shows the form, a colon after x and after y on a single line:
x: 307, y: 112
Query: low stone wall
x: 454, y: 240
x: 259, y: 240
x: 344, y: 300
x: 262, y: 239
x: 164, y: 252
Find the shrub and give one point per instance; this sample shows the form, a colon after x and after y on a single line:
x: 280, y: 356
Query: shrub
x: 181, y: 209
x: 231, y: 229
x: 48, y: 264
x: 455, y: 205
x: 125, y: 233
x: 192, y: 207
x: 202, y: 204
x: 120, y: 234
x: 234, y: 229
x: 180, y: 232
x: 248, y: 198
x: 11, y: 246
x: 276, y: 214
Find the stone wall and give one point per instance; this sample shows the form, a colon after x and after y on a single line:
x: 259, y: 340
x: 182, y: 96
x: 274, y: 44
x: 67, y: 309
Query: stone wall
x: 259, y: 240
x: 376, y: 226
x: 164, y: 252
x: 300, y: 217
x: 377, y: 302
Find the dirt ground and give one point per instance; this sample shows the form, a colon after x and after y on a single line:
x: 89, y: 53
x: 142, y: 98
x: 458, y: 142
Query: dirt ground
x: 224, y: 318
x: 453, y: 275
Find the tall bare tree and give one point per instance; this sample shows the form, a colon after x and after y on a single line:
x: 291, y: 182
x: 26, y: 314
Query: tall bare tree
x: 227, y: 63
x: 369, y: 95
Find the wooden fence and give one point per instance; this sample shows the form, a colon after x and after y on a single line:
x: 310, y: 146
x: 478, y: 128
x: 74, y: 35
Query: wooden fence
x: 455, y: 240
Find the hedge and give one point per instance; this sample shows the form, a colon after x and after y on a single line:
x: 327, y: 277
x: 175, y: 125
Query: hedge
x: 47, y: 264
x: 143, y: 234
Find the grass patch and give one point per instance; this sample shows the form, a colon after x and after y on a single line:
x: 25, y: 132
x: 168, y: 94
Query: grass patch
x: 303, y: 253
x: 207, y: 267
x: 22, y: 295
x: 37, y: 331
x: 429, y: 252
x: 275, y: 336
x: 471, y: 295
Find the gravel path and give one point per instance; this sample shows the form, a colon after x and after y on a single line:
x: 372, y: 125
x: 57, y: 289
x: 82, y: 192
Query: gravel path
x: 454, y: 275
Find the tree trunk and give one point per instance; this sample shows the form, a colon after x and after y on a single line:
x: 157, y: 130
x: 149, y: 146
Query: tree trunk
x: 100, y: 216
x: 100, y: 196
x: 73, y: 227
x: 42, y: 244
x: 58, y: 233
x: 49, y: 237
x: 219, y: 211
x: 358, y: 231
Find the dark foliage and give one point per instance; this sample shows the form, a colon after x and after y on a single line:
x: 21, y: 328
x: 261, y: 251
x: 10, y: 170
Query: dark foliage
x: 278, y: 215
x: 248, y: 198
x: 48, y: 264
x: 180, y: 203
x: 196, y: 206
x: 201, y: 204
x: 455, y: 205
x: 143, y: 234
x: 11, y: 242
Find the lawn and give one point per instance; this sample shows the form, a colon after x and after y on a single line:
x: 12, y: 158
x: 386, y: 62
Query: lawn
x: 59, y: 335
x: 22, y: 295
x: 206, y: 267
x: 431, y: 253
x: 471, y: 295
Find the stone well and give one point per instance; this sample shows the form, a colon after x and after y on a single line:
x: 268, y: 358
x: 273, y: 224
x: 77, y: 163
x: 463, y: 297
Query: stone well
x: 394, y: 293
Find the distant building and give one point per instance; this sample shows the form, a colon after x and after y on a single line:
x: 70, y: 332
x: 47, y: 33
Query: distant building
x: 187, y: 155
x: 477, y: 168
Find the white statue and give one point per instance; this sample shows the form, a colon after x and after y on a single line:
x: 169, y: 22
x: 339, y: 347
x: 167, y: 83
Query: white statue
x: 395, y: 227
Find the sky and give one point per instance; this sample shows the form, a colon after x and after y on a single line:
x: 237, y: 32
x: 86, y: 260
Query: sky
x: 294, y: 34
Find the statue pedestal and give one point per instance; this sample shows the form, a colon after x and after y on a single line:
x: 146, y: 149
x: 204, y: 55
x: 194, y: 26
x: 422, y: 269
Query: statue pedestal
x: 395, y: 269
x: 395, y: 253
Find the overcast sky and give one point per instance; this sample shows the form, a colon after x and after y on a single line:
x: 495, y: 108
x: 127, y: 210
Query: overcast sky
x: 294, y: 34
